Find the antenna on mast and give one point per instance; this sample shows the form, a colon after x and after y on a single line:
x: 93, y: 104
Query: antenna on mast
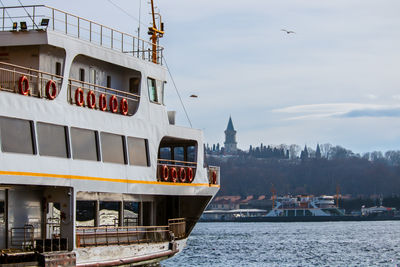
x: 273, y: 191
x: 337, y: 195
x: 155, y: 33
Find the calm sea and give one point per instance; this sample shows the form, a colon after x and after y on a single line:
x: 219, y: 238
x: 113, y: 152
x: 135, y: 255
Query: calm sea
x: 292, y: 244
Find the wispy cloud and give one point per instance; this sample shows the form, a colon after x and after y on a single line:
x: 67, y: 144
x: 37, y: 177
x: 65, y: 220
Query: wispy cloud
x: 344, y: 110
x: 388, y: 112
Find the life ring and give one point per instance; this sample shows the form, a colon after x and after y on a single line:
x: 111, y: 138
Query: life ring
x: 124, y: 106
x: 174, y: 175
x: 214, y: 177
x: 91, y: 99
x: 182, y: 175
x: 79, y: 97
x: 113, y: 104
x: 164, y: 173
x: 51, y: 90
x: 189, y: 175
x: 23, y: 85
x: 102, y: 102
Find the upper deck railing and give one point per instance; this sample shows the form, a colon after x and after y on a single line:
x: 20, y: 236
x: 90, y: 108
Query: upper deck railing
x: 41, y: 17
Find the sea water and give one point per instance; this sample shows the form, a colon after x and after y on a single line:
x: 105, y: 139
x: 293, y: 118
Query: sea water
x: 292, y: 244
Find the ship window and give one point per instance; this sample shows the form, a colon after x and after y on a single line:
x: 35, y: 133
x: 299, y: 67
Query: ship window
x: 52, y: 140
x: 58, y: 68
x: 85, y: 213
x: 93, y: 76
x: 16, y: 136
x: 137, y: 148
x: 109, y: 213
x: 165, y: 153
x: 151, y: 83
x: 84, y: 144
x: 134, y: 85
x: 112, y: 147
x: 109, y: 81
x: 131, y: 213
x: 82, y: 75
x: 179, y: 153
x: 160, y: 91
x: 191, y: 153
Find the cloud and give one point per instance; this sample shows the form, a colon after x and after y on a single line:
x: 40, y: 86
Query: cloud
x: 343, y: 110
x: 388, y: 112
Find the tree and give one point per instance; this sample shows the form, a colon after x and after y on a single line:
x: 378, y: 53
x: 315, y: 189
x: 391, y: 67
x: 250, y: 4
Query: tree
x: 304, y: 153
x: 318, y: 152
x: 294, y: 151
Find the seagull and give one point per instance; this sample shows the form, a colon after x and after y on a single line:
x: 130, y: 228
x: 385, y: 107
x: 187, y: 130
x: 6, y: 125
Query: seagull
x: 288, y: 32
x: 194, y: 96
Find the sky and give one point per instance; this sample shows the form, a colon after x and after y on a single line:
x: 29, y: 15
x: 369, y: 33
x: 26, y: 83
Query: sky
x: 336, y: 80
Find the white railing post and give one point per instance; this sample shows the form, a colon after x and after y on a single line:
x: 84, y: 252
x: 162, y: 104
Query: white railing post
x: 112, y: 38
x: 101, y: 34
x: 33, y: 17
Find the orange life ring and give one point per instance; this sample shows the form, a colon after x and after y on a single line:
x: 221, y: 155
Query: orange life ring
x: 189, y: 175
x: 182, y: 175
x: 91, y: 99
x: 102, y: 102
x: 174, y: 175
x: 214, y: 177
x: 124, y: 106
x: 164, y: 173
x: 79, y: 97
x: 51, y: 90
x: 23, y: 85
x: 113, y: 104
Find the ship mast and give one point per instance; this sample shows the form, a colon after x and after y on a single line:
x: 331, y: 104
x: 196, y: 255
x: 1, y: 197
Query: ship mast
x: 273, y: 191
x: 155, y: 33
x: 337, y: 195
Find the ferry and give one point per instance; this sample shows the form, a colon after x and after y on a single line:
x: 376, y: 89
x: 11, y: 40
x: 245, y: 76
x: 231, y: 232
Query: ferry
x: 305, y: 205
x: 93, y: 169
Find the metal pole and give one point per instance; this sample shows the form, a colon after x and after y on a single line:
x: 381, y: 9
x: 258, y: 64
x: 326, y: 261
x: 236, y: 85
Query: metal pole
x: 112, y: 38
x: 52, y: 17
x: 101, y: 34
x: 78, y: 28
x: 66, y: 23
x: 4, y: 9
x: 122, y: 42
x: 33, y: 17
x: 90, y: 31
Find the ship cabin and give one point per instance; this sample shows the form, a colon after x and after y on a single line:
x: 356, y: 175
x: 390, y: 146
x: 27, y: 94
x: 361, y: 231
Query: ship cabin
x: 90, y: 157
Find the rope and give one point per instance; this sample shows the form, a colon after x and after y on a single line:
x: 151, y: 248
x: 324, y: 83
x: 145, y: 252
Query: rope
x: 177, y: 92
x: 126, y: 13
x: 6, y: 11
x: 29, y: 15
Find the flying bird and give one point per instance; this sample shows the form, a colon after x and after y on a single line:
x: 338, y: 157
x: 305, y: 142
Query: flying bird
x: 288, y: 32
x: 194, y: 96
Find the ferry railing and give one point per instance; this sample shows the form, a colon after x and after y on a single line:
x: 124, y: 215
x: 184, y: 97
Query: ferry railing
x: 11, y: 74
x: 177, y: 164
x: 214, y: 175
x: 42, y: 18
x: 22, y: 237
x: 123, y: 235
x: 73, y: 85
x: 177, y: 227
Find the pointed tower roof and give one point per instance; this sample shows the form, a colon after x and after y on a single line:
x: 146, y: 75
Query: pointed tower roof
x: 230, y: 125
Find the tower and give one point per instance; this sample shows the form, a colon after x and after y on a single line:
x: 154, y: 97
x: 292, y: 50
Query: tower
x: 230, y: 138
